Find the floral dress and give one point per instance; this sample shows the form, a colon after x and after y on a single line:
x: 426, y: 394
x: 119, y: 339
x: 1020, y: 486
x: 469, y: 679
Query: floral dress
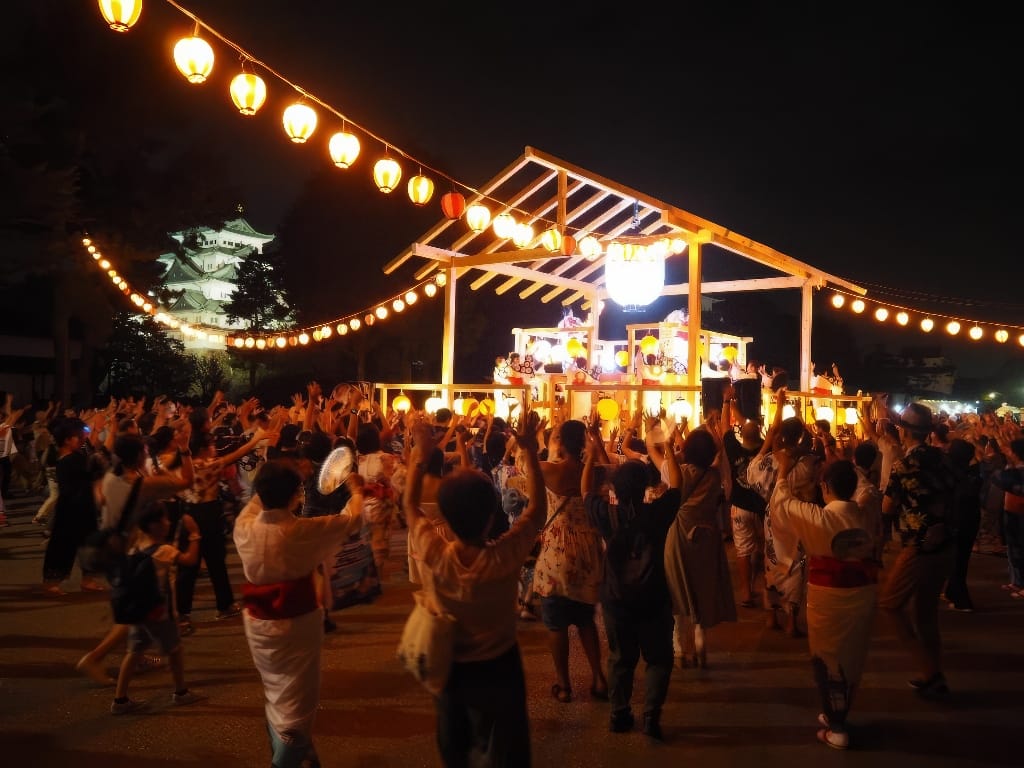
x: 570, y: 560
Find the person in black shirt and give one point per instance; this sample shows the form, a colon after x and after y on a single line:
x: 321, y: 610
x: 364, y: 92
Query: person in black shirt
x: 747, y: 509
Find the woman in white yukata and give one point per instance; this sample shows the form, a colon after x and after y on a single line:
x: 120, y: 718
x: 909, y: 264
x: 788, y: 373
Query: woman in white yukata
x: 283, y: 618
x: 842, y: 549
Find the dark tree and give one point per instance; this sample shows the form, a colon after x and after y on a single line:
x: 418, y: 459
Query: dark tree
x: 259, y: 302
x: 141, y: 359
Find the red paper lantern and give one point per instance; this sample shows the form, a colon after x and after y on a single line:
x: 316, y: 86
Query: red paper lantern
x: 453, y: 205
x: 568, y: 245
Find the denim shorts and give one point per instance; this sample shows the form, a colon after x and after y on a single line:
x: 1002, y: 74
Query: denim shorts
x: 559, y: 612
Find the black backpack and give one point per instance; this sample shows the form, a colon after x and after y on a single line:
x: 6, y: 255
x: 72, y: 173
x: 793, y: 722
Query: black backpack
x: 135, y: 593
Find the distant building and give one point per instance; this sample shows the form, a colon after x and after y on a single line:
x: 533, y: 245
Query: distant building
x: 203, y: 276
x: 913, y: 373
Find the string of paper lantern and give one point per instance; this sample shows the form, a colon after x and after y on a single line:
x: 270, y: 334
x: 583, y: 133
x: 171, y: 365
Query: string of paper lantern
x: 194, y: 58
x: 904, y: 317
x: 269, y: 340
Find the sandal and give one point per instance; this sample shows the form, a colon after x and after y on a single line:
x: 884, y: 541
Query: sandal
x: 563, y: 695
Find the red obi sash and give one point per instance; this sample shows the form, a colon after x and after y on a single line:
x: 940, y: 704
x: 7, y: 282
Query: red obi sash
x: 829, y: 572
x: 649, y: 382
x: 280, y: 600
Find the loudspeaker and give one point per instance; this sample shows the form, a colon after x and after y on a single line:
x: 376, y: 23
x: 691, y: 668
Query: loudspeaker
x: 712, y: 393
x: 748, y: 397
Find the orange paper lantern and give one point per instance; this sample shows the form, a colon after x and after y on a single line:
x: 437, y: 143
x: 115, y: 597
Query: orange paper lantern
x: 453, y: 205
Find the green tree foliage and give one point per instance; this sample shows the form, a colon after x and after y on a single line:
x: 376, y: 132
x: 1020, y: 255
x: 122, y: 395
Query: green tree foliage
x: 259, y: 300
x: 141, y: 358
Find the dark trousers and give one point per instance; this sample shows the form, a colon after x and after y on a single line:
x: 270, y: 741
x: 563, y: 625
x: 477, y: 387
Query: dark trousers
x: 213, y: 550
x: 481, y: 714
x: 956, y: 587
x: 631, y: 636
x: 5, y: 477
x: 1013, y: 532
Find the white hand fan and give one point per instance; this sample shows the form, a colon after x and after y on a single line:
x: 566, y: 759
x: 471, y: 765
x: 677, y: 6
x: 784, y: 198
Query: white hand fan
x: 338, y: 465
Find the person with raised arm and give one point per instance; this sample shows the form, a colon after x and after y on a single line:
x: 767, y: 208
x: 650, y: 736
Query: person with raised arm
x: 481, y: 712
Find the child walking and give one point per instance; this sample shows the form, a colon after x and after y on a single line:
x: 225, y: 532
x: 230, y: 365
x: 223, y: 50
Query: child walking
x: 159, y: 626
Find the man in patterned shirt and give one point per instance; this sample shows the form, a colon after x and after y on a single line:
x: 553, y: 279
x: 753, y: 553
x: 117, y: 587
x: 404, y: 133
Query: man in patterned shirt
x: 918, y: 495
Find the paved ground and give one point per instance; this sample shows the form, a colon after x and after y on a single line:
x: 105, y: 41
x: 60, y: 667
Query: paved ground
x: 754, y: 706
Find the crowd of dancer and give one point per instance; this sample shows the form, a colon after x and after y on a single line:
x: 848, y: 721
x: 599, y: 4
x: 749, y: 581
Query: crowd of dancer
x: 525, y: 519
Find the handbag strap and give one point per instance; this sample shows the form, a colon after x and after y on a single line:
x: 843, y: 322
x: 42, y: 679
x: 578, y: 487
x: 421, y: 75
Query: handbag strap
x: 129, y: 505
x: 550, y: 520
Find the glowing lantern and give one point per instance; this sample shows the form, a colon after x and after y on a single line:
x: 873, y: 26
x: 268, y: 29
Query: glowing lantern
x: 857, y: 306
x: 551, y: 239
x: 104, y: 264
x: 622, y: 358
x: 248, y: 92
x: 386, y: 174
x: 504, y: 225
x: 729, y: 353
x: 303, y: 338
x: 250, y: 342
x: 824, y: 413
x: 91, y: 249
x: 410, y: 298
x: 607, y: 409
x: 343, y: 148
x: 788, y: 412
x: 432, y: 404
x: 1002, y: 335
x: 299, y: 122
x: 680, y: 409
x: 927, y: 324
x: 838, y: 300
x: 453, y: 205
x: 590, y: 247
x: 851, y: 415
x: 325, y: 332
x: 1020, y: 339
x: 487, y: 407
x: 381, y: 312
x: 121, y: 15
x: 193, y: 57
x: 421, y: 189
x: 86, y: 241
x: 369, y: 319
x: 401, y: 403
x: 478, y: 217
x: 633, y: 275
x: 469, y: 407
x: 430, y: 289
x: 341, y: 328
x: 902, y: 318
x: 354, y: 323
x: 881, y: 314
x: 261, y: 343
x: 523, y: 235
x: 398, y: 305
x: 574, y: 347
x: 568, y: 245
x: 648, y: 345
x: 280, y: 342
x: 976, y: 333
x: 441, y: 278
x: 952, y: 327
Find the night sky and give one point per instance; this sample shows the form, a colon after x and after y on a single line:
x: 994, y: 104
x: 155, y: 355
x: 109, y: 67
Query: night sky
x: 879, y: 143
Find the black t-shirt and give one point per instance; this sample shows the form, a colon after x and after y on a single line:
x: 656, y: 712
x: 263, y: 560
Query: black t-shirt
x: 634, y: 573
x: 743, y: 496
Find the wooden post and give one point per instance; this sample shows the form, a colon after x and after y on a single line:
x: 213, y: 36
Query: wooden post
x: 806, y: 321
x: 448, y: 348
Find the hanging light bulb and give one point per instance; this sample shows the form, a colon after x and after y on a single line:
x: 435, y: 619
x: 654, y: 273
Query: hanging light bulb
x: 299, y: 122
x: 354, y: 323
x: 478, y: 217
x: 248, y: 92
x: 325, y: 332
x: 881, y: 314
x: 239, y: 342
x: 681, y: 408
x: 342, y: 329
x: 193, y: 57
x: 421, y: 189
x: 386, y: 174
x: 261, y: 343
x: 303, y: 338
x: 551, y: 239
x: 398, y: 305
x: 430, y: 289
x: 381, y: 312
x: 121, y: 15
x: 343, y: 148
x: 633, y: 276
x: 410, y: 297
x: 568, y: 245
x: 250, y: 342
x: 838, y: 300
x: 401, y: 403
x: 504, y: 225
x: 280, y: 342
x: 432, y: 404
x: 523, y: 235
x: 858, y: 306
x: 902, y: 318
x: 952, y: 327
x: 976, y: 332
x: 1002, y: 335
x: 927, y: 324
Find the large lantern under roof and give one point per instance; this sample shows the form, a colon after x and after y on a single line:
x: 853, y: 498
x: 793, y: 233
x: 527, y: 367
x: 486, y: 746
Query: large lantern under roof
x: 299, y: 122
x: 121, y: 15
x: 386, y: 174
x: 248, y: 92
x: 522, y: 236
x: 193, y: 57
x: 453, y: 205
x: 478, y: 217
x: 343, y: 148
x: 551, y: 239
x: 504, y: 225
x: 633, y: 276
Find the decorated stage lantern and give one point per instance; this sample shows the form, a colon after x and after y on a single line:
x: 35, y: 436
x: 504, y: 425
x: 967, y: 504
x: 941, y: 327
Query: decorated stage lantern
x: 607, y: 409
x: 487, y: 407
x: 574, y: 347
x: 121, y: 15
x: 401, y: 403
x: 649, y: 345
x: 622, y: 358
